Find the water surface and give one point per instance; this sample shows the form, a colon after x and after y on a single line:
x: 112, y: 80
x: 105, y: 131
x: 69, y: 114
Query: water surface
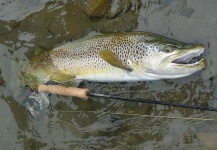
x: 72, y: 123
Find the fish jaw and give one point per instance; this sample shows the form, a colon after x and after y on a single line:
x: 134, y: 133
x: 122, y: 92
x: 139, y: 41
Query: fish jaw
x: 180, y: 63
x: 183, y: 60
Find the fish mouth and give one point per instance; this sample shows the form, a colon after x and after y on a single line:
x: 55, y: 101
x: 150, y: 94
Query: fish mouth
x: 192, y: 58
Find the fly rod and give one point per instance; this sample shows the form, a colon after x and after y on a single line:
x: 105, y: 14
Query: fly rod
x: 85, y: 94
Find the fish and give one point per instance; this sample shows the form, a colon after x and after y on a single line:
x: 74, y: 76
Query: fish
x: 116, y: 57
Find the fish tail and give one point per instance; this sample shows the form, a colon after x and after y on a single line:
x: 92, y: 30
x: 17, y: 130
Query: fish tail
x: 14, y: 78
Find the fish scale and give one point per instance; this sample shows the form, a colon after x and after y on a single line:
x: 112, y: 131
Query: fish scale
x: 130, y: 56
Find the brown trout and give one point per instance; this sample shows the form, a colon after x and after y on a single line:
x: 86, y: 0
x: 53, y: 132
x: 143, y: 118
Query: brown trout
x: 130, y: 56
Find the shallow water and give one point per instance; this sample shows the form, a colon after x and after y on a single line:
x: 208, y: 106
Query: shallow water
x: 72, y: 123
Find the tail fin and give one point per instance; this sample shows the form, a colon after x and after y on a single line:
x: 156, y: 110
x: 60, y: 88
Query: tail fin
x: 14, y: 77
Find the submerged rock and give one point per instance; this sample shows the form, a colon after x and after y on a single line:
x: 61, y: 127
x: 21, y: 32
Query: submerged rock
x: 110, y: 8
x: 97, y: 8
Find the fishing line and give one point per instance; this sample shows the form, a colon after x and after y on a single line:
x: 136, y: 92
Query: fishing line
x: 150, y: 116
x: 92, y: 94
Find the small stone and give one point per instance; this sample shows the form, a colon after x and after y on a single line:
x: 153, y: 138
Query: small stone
x: 131, y: 111
x: 134, y: 139
x: 14, y: 24
x: 208, y: 140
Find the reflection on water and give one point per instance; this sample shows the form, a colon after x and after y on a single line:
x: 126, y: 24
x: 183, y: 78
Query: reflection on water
x: 97, y: 123
x: 18, y: 10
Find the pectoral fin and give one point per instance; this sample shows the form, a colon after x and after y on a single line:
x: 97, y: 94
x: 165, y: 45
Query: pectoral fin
x: 137, y: 68
x: 110, y: 58
x: 142, y: 70
x: 61, y: 76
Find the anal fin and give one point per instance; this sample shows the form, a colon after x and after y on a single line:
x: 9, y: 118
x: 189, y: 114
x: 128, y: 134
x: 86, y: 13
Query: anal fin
x: 137, y: 68
x: 61, y: 76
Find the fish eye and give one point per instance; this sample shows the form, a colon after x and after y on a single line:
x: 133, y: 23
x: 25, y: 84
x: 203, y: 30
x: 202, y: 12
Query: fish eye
x: 167, y: 50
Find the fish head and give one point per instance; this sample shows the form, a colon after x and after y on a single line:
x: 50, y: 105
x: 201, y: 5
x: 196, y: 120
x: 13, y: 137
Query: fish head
x: 167, y: 58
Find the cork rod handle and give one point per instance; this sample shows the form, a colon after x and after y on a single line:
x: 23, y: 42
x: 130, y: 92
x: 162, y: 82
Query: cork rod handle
x: 61, y: 90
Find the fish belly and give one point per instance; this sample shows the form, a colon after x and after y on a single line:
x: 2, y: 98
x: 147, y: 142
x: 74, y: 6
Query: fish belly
x: 111, y: 77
